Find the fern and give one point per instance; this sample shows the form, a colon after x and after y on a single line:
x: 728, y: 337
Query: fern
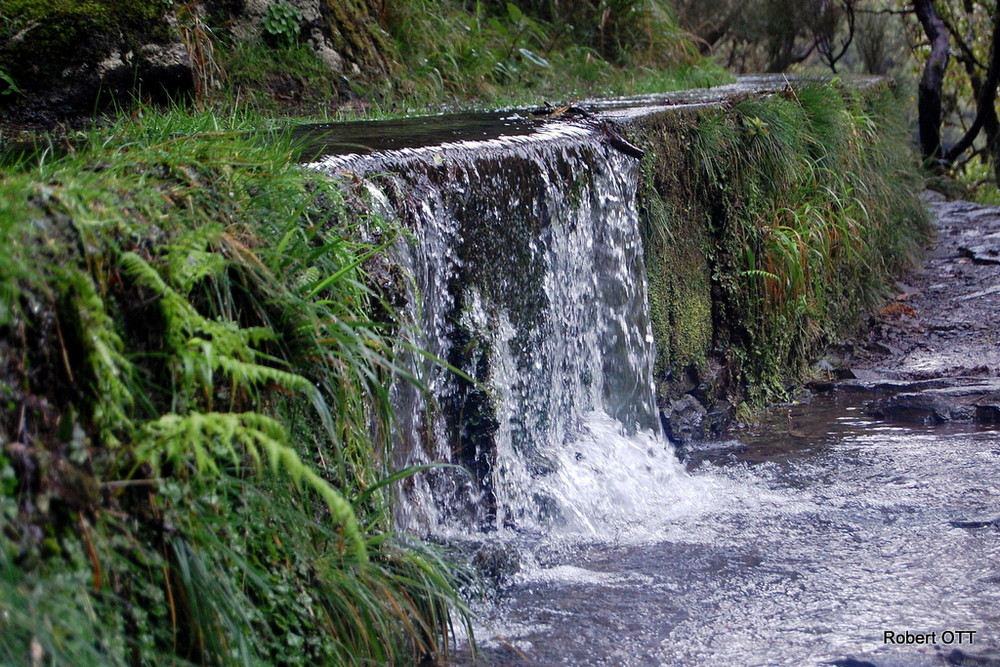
x: 205, y: 438
x: 109, y: 368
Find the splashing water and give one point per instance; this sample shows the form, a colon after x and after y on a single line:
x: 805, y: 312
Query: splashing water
x: 526, y: 266
x: 529, y: 272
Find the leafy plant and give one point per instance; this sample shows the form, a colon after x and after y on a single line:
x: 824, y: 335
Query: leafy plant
x: 214, y: 427
x: 282, y: 22
x: 12, y: 86
x: 804, y: 208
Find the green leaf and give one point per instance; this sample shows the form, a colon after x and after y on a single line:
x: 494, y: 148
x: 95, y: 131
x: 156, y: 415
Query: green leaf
x: 11, y: 86
x: 515, y: 14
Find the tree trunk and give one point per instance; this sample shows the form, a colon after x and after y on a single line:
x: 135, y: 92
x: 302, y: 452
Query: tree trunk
x: 986, y: 115
x: 929, y: 90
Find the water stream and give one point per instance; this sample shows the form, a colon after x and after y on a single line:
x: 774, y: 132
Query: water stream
x: 793, y: 545
x: 785, y: 550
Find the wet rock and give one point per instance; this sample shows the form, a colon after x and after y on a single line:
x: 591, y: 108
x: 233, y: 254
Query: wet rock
x: 934, y: 401
x: 719, y: 418
x: 914, y: 409
x: 883, y: 347
x: 863, y: 374
x: 984, y: 253
x: 850, y: 662
x: 823, y: 366
x: 988, y: 412
x: 980, y: 523
x: 987, y: 658
x: 684, y: 419
x: 886, y: 385
x: 976, y: 295
x: 497, y: 562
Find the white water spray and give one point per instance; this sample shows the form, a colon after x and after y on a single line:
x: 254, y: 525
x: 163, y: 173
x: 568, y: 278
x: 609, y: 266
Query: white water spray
x: 528, y: 269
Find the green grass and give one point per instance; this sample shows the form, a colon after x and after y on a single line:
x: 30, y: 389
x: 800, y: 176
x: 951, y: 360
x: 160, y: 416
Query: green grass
x: 190, y: 368
x: 461, y: 55
x: 840, y: 220
x: 791, y: 215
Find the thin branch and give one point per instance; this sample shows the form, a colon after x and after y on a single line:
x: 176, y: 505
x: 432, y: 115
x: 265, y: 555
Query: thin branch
x: 987, y: 94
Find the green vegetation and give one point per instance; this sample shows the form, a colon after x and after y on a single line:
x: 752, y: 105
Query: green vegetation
x: 193, y: 362
x: 282, y: 22
x: 422, y: 54
x: 948, y: 51
x: 772, y: 228
x: 518, y: 52
x: 354, y: 57
x: 195, y: 416
x: 41, y: 38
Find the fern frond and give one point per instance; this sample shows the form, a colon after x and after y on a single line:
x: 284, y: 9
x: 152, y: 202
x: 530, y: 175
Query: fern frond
x: 108, y: 366
x: 203, y: 439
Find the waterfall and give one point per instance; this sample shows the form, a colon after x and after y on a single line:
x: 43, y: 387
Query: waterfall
x: 525, y: 259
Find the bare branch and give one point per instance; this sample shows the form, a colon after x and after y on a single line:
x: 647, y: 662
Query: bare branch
x: 985, y: 111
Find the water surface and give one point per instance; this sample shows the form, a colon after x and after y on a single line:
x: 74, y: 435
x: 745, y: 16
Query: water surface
x: 798, y: 544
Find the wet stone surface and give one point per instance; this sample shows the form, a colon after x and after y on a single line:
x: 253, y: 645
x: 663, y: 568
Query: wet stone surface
x: 933, y: 354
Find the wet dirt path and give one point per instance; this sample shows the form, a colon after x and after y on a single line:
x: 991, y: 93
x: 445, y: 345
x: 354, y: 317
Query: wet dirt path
x: 937, y: 344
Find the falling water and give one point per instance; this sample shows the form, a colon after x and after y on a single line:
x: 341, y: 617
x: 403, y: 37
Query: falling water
x: 528, y: 276
x: 524, y: 258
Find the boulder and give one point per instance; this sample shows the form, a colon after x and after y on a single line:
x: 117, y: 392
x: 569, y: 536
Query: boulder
x: 684, y: 420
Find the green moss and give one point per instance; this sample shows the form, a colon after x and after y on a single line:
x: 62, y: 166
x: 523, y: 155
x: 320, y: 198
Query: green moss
x: 42, y: 38
x: 191, y: 369
x: 356, y: 34
x: 680, y: 297
x: 771, y: 226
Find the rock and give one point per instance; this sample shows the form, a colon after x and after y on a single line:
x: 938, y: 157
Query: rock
x: 719, y: 418
x: 987, y: 252
x: 823, y: 366
x: 497, y: 562
x: 886, y: 348
x: 327, y: 55
x: 850, y: 662
x: 987, y: 658
x: 975, y: 295
x: 918, y: 408
x: 163, y: 71
x: 983, y: 523
x: 861, y: 374
x: 988, y: 413
x: 885, y: 385
x: 933, y: 401
x: 684, y: 419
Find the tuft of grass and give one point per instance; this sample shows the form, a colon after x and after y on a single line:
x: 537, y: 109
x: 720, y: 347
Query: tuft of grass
x: 841, y: 219
x: 451, y: 55
x: 804, y: 207
x: 195, y: 415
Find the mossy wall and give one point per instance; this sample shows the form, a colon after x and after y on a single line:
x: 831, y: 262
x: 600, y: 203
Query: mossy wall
x: 772, y: 225
x: 42, y: 39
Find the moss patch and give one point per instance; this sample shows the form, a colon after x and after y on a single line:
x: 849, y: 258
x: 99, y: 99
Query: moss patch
x: 771, y: 227
x: 42, y: 38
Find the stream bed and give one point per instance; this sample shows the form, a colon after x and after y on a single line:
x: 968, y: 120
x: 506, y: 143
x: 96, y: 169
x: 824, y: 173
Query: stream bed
x: 802, y: 542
